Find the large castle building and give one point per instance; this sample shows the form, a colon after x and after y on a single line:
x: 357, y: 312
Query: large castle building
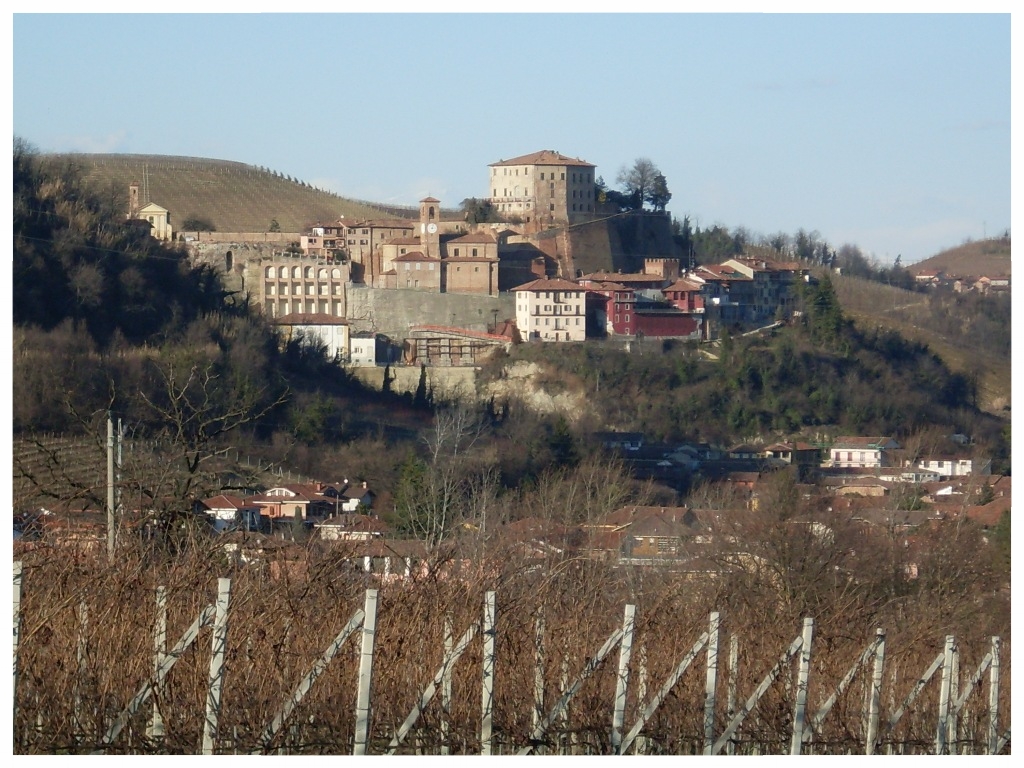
x: 544, y: 189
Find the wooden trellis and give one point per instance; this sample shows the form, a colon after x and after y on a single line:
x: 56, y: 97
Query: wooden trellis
x: 793, y: 667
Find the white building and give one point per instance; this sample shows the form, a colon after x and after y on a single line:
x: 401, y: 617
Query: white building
x: 363, y: 348
x: 956, y: 467
x: 863, y: 452
x: 331, y: 330
x: 551, y: 310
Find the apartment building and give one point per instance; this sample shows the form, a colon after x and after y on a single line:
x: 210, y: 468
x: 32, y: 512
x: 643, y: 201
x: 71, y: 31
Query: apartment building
x: 551, y: 310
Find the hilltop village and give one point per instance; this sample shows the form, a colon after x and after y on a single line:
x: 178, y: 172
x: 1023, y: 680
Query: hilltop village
x: 521, y: 279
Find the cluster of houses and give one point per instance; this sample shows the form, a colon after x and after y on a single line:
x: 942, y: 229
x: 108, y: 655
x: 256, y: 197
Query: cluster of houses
x: 984, y: 284
x: 851, y: 457
x: 869, y: 480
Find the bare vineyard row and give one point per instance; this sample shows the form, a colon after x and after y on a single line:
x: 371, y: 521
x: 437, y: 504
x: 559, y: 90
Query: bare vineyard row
x: 394, y: 673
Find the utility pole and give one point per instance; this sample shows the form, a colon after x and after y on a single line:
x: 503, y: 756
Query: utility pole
x: 110, y: 488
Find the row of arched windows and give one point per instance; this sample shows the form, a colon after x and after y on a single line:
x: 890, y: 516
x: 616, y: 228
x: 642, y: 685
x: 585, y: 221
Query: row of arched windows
x: 304, y: 272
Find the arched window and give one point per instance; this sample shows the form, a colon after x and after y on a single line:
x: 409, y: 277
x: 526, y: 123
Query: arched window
x: 308, y: 273
x: 336, y: 273
x: 295, y: 272
x: 430, y: 212
x: 270, y: 271
x: 321, y: 274
x: 282, y: 272
x: 228, y: 261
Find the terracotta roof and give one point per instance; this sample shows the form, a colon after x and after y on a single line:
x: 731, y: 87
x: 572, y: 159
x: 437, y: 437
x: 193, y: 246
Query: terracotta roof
x: 224, y: 502
x: 597, y: 287
x: 474, y: 237
x: 544, y: 157
x: 430, y: 200
x: 683, y: 285
x: 629, y: 277
x: 719, y: 272
x: 989, y: 514
x: 414, y: 256
x: 549, y: 284
x: 403, y: 241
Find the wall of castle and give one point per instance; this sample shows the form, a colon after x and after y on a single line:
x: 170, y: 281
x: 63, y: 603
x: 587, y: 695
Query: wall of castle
x: 282, y: 239
x: 391, y: 312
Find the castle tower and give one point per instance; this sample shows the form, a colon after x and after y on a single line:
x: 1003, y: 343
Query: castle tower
x: 133, y: 200
x: 430, y: 218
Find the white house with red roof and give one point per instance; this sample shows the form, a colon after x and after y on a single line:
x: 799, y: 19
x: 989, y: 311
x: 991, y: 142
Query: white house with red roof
x: 551, y: 310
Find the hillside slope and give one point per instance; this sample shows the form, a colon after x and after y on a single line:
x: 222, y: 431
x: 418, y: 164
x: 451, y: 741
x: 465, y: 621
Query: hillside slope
x: 982, y: 257
x: 911, y: 314
x: 236, y: 197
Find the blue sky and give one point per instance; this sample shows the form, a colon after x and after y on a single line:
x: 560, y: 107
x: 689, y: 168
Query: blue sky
x: 887, y: 131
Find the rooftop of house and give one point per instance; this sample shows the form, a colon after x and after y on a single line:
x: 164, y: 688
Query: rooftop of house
x: 544, y: 157
x: 474, y: 237
x: 853, y: 441
x: 683, y: 284
x: 549, y: 284
x: 415, y: 256
x: 624, y: 278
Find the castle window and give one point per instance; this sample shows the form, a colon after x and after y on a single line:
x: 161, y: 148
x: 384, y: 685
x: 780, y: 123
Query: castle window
x: 456, y: 251
x: 474, y: 252
x: 552, y: 206
x: 542, y: 176
x: 563, y: 177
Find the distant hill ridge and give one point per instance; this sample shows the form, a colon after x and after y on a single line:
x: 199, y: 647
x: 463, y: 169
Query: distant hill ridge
x: 987, y: 257
x: 234, y: 196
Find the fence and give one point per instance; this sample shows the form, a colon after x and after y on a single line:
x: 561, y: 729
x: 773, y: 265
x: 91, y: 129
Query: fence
x: 372, y: 688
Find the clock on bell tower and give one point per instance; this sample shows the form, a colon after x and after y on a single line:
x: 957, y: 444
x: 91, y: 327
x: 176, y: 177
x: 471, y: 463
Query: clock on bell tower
x: 430, y: 215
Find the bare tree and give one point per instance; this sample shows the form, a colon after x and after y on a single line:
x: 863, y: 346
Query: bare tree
x: 639, y: 180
